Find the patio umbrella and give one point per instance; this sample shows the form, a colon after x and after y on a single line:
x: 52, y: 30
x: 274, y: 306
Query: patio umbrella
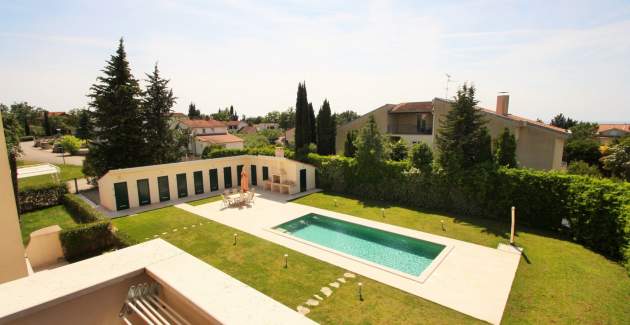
x: 244, y: 181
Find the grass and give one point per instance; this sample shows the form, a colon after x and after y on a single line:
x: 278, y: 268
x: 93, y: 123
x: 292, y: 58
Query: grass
x: 57, y: 215
x: 557, y: 281
x: 67, y: 172
x: 206, y: 200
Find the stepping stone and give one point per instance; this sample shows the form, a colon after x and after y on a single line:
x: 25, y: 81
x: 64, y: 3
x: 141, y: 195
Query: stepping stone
x: 155, y: 236
x: 312, y: 302
x: 174, y: 230
x: 185, y: 228
x: 342, y: 280
x: 349, y: 275
x: 146, y: 238
x: 194, y: 226
x: 303, y: 310
x: 318, y: 297
x: 163, y: 233
x: 326, y: 291
x: 334, y: 285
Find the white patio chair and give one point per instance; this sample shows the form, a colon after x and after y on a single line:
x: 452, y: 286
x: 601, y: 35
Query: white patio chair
x: 226, y: 201
x: 250, y: 197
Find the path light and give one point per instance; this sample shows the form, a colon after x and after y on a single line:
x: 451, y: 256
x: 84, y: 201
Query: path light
x: 443, y: 226
x: 286, y: 258
x: 513, y: 224
x: 235, y: 235
x: 335, y: 202
x: 382, y: 213
x: 360, y: 291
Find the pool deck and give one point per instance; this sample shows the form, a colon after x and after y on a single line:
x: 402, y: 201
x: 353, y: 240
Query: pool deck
x: 472, y: 279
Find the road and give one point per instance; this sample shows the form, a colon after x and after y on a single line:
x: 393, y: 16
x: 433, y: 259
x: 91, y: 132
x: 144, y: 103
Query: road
x: 30, y: 153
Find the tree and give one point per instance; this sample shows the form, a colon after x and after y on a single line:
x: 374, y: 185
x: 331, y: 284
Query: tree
x: 325, y: 130
x: 347, y: 116
x: 302, y: 123
x: 287, y: 119
x: 618, y: 160
x: 193, y: 112
x: 349, y: 148
x: 46, y: 125
x: 563, y: 122
x: 70, y: 144
x: 421, y: 156
x: 463, y: 140
x: 398, y: 150
x: 371, y: 150
x: 505, y: 149
x: 12, y: 134
x: 579, y: 167
x: 119, y: 139
x: 85, y: 127
x: 272, y: 117
x: 583, y: 144
x: 312, y: 124
x: 157, y: 102
x: 25, y: 114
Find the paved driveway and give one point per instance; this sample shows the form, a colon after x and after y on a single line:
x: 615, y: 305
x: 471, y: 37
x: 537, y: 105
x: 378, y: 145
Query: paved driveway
x: 30, y: 153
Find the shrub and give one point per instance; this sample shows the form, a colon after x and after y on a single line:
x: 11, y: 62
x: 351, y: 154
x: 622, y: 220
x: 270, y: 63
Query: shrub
x: 398, y: 150
x: 421, y: 156
x: 618, y: 160
x: 40, y: 196
x: 87, y: 240
x: 505, y: 149
x: 70, y: 144
x: 80, y: 210
x: 579, y: 167
x: 260, y: 151
x: 26, y: 138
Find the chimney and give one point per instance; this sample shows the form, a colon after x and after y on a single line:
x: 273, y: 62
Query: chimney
x: 503, y: 101
x: 280, y: 152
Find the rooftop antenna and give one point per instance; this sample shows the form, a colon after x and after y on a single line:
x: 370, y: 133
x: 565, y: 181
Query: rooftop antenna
x: 448, y: 81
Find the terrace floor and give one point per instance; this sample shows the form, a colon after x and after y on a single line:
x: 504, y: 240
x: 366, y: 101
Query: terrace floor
x: 471, y: 279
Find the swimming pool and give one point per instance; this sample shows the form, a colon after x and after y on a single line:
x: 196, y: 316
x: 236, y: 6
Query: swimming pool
x: 405, y: 254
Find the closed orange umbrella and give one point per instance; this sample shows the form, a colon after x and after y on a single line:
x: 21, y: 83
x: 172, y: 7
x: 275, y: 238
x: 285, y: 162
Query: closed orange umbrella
x: 244, y: 181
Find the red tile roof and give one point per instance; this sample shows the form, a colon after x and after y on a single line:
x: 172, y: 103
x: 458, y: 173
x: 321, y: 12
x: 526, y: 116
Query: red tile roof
x: 606, y: 127
x: 520, y: 118
x: 56, y: 113
x: 219, y: 138
x: 248, y: 130
x: 414, y: 107
x: 234, y: 123
x: 203, y: 123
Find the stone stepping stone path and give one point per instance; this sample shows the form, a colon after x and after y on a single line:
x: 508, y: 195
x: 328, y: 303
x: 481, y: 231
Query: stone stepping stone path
x: 175, y: 230
x: 326, y: 291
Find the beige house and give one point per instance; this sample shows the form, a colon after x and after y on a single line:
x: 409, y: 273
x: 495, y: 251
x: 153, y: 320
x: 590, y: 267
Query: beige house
x: 206, y: 133
x: 609, y: 132
x: 539, y: 145
x: 121, y: 189
x: 235, y: 125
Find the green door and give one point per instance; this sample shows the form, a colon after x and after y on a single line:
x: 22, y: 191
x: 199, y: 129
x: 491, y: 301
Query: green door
x: 253, y: 175
x: 144, y: 197
x: 122, y: 197
x: 182, y: 187
x: 198, y: 177
x: 214, y: 180
x: 265, y: 173
x: 165, y: 193
x: 239, y: 169
x: 227, y: 177
x: 302, y: 180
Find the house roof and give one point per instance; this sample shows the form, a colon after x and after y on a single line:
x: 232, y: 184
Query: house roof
x: 56, y: 113
x: 607, y: 127
x: 203, y: 123
x: 248, y: 130
x: 234, y: 123
x: 219, y: 138
x: 413, y: 107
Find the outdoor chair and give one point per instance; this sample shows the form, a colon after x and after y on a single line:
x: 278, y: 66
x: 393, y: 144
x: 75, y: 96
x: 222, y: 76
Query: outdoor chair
x: 226, y: 201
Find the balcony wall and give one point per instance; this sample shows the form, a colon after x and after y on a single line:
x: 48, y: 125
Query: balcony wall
x: 410, y: 123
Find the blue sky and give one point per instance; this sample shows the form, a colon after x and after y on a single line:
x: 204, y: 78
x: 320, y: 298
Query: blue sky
x: 552, y: 56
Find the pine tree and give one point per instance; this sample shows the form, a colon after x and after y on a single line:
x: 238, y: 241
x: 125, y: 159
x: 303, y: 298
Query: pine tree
x: 312, y: 124
x: 46, y: 125
x: 463, y: 140
x: 302, y: 124
x: 158, y: 104
x: 84, y: 130
x: 119, y: 139
x: 325, y: 130
x: 371, y: 150
x: 349, y: 149
x: 505, y: 152
x: 193, y: 112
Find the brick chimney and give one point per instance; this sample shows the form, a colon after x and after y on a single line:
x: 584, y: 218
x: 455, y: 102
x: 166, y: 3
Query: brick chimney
x: 280, y: 152
x: 503, y: 101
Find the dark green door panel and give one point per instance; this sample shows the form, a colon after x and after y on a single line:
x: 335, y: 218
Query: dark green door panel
x: 265, y: 173
x: 214, y: 180
x: 144, y: 195
x: 227, y: 177
x: 253, y: 176
x: 198, y: 177
x: 122, y: 196
x: 182, y: 187
x: 165, y: 193
x: 302, y: 180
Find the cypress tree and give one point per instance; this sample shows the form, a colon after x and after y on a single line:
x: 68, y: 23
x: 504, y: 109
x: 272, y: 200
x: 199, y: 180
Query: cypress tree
x: 302, y: 131
x: 349, y: 149
x: 505, y: 152
x: 312, y: 124
x: 325, y: 130
x: 45, y: 124
x: 119, y: 139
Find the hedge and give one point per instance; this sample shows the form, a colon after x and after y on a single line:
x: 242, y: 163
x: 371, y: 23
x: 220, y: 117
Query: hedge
x: 26, y: 138
x: 41, y: 196
x: 87, y: 240
x: 80, y: 210
x: 229, y: 152
x: 598, y: 210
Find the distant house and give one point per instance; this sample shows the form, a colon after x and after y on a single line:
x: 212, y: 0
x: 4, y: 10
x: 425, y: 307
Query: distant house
x: 265, y: 126
x: 248, y: 130
x: 608, y: 132
x: 209, y: 132
x: 51, y: 114
x: 236, y: 125
x: 288, y: 137
x: 539, y: 145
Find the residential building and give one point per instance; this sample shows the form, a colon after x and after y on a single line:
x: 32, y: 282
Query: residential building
x: 609, y: 132
x: 539, y: 145
x: 265, y: 126
x: 236, y: 125
x: 248, y: 130
x: 288, y: 137
x: 206, y: 133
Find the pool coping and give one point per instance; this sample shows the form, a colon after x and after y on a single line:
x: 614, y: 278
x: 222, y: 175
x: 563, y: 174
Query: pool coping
x: 424, y: 275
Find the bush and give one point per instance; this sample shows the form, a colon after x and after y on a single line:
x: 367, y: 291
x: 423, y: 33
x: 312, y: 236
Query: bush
x: 80, y: 210
x: 26, y: 138
x: 70, y: 144
x: 258, y: 151
x: 579, y: 167
x: 87, y: 240
x: 598, y: 210
x: 398, y: 150
x: 421, y: 156
x: 40, y: 196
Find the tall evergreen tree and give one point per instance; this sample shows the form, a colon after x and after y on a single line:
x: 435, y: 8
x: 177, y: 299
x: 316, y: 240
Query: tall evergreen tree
x: 193, y: 112
x: 371, y: 149
x: 84, y: 129
x: 505, y: 149
x: 119, y: 139
x: 312, y: 124
x: 46, y: 124
x: 158, y: 104
x: 302, y: 124
x: 349, y: 148
x: 325, y: 130
x: 463, y: 140
x: 563, y: 122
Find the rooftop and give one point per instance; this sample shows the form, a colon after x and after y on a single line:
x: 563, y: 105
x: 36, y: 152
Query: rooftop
x: 203, y: 123
x: 219, y: 138
x: 619, y: 126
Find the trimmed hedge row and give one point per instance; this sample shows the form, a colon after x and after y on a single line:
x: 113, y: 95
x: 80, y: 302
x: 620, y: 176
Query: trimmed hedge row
x: 80, y: 210
x: 38, y: 197
x: 598, y: 210
x: 229, y: 152
x: 88, y: 240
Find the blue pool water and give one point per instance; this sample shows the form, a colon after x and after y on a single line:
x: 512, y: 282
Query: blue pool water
x: 402, y: 253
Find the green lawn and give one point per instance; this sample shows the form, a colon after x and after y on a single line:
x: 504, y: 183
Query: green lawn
x: 559, y: 282
x: 67, y: 172
x: 206, y: 200
x: 57, y: 215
